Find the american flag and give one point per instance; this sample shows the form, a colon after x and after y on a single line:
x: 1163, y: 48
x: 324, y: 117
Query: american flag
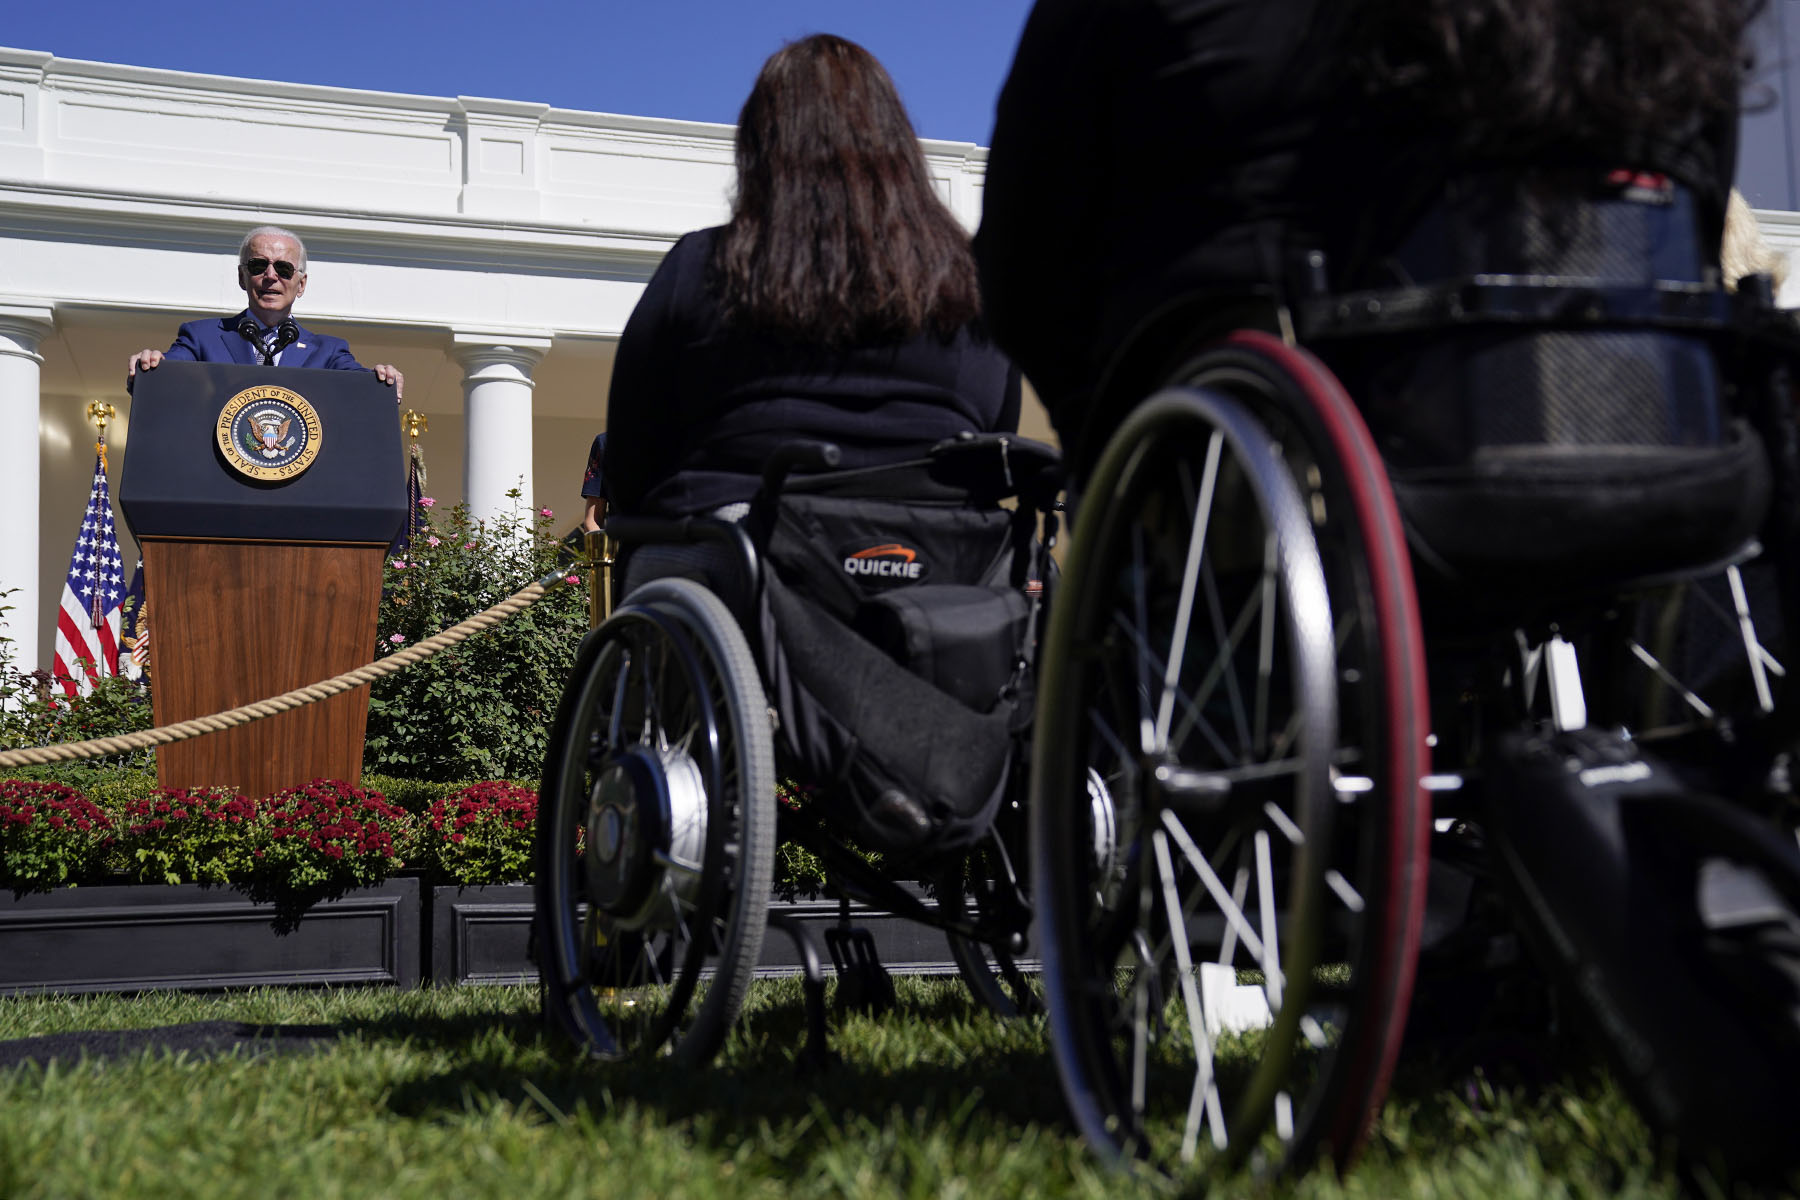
x: 134, y: 623
x: 87, y: 628
x: 416, y: 521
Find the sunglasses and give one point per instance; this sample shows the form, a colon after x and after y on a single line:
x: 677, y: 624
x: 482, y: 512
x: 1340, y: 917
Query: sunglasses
x: 256, y: 266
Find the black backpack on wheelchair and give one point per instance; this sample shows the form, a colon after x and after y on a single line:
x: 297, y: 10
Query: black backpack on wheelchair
x: 897, y: 634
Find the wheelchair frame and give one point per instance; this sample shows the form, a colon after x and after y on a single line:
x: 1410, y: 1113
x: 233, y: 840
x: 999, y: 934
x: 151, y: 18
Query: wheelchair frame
x: 1356, y: 820
x: 713, y: 651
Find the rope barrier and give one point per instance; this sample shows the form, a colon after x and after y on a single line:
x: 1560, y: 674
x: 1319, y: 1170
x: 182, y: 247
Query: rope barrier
x: 520, y: 600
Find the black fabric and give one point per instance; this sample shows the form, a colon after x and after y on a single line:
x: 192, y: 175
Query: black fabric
x: 854, y: 719
x: 843, y: 551
x: 696, y: 407
x: 593, y: 479
x: 962, y: 640
x: 921, y: 724
x: 1537, y: 521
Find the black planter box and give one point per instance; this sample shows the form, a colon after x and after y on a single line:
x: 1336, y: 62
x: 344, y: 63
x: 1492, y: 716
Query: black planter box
x: 480, y: 935
x: 140, y: 937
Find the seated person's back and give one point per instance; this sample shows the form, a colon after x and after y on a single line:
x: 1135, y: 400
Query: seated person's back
x: 1205, y: 147
x: 840, y: 304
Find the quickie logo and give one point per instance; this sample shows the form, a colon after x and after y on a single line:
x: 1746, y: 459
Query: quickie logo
x: 890, y: 560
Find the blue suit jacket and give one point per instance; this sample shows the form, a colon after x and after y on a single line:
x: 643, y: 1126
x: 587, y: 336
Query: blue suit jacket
x: 217, y: 340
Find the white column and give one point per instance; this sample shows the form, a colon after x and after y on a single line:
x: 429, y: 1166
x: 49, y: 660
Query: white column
x: 497, y: 407
x: 22, y: 327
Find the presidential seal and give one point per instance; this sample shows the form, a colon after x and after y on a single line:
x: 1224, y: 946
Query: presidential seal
x: 269, y: 433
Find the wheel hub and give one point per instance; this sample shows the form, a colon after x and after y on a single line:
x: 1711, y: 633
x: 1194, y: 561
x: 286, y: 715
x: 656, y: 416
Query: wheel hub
x: 646, y: 836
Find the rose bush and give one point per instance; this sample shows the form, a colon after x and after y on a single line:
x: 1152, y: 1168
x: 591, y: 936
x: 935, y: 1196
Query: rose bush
x: 482, y: 709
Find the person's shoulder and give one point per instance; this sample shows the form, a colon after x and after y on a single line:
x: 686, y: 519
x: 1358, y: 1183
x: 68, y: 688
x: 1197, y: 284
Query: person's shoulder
x: 224, y: 323
x: 692, y: 251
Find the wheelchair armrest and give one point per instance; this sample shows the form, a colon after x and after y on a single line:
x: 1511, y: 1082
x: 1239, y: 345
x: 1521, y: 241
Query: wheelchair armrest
x: 643, y: 531
x: 803, y: 456
x: 1003, y: 464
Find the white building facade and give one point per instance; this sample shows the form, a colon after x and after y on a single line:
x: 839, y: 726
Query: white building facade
x: 490, y: 249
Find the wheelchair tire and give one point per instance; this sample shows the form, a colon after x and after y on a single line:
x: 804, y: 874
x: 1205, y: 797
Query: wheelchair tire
x: 1182, y: 784
x: 656, y: 832
x: 1375, y: 901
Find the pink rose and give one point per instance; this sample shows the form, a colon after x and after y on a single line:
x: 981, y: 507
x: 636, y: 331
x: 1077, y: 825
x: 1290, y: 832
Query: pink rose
x: 426, y: 502
x: 397, y: 639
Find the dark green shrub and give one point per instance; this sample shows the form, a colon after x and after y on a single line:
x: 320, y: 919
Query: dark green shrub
x: 481, y: 710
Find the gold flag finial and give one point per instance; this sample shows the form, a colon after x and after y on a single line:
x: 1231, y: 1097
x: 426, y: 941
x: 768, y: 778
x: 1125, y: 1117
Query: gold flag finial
x: 415, y: 423
x: 99, y: 412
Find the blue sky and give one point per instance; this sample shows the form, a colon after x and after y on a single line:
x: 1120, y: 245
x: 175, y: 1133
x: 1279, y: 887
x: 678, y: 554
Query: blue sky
x: 693, y: 59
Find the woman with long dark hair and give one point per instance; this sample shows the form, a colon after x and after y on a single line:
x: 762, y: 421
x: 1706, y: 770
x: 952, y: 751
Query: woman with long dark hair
x: 840, y: 303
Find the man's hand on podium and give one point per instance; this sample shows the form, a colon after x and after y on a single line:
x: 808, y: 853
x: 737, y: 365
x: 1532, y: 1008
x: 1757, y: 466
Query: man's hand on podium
x: 143, y: 360
x: 390, y: 374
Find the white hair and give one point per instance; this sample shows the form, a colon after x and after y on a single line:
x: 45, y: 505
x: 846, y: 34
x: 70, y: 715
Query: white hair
x: 1744, y: 252
x: 273, y: 231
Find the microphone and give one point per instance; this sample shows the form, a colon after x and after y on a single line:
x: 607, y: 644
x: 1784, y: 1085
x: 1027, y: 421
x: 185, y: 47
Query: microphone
x: 286, y: 334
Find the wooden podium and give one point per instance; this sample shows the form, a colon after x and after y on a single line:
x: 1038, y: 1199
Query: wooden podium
x: 264, y: 499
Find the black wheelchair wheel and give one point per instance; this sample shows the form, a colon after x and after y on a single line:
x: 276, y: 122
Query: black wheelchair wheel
x: 1379, y: 853
x: 1182, y: 788
x: 656, y: 834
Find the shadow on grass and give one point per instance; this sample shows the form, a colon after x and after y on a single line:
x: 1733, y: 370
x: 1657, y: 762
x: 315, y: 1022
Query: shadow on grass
x: 760, y: 1077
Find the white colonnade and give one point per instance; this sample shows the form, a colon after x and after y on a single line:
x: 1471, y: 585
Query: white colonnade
x: 22, y: 327
x: 497, y: 387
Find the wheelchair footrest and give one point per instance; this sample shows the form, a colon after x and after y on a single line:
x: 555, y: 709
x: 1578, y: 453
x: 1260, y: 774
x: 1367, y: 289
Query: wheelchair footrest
x: 863, y: 983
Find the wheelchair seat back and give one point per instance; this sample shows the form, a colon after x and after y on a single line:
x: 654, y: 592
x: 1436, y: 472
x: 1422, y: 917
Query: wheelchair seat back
x: 1559, y: 437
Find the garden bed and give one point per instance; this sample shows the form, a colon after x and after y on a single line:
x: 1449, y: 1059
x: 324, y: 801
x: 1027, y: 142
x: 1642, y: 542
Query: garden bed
x: 140, y: 937
x: 185, y: 937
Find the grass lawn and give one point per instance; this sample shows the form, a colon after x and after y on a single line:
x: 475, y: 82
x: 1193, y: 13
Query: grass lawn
x: 453, y: 1092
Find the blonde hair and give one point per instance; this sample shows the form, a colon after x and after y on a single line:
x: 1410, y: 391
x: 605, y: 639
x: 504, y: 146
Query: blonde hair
x: 1743, y: 251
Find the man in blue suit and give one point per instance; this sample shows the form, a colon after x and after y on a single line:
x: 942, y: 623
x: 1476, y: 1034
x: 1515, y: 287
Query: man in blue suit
x: 272, y: 272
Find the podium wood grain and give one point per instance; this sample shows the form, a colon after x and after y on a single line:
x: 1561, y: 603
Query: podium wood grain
x: 237, y: 622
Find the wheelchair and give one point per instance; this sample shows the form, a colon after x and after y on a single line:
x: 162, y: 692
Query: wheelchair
x: 1317, y: 660
x: 867, y: 635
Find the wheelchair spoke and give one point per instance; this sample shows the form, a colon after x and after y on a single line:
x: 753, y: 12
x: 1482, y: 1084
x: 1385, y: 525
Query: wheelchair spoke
x: 1205, y: 1094
x: 1219, y: 670
x: 1190, y: 578
x: 1227, y: 640
x: 1210, y: 879
x: 1194, y: 718
x: 1265, y: 880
